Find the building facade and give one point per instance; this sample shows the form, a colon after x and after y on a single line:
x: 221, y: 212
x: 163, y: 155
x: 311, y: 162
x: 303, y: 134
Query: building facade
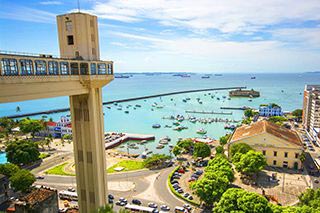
x: 270, y: 110
x: 311, y: 111
x: 280, y: 146
x: 60, y: 128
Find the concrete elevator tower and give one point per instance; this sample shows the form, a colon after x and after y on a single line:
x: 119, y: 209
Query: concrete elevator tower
x: 78, y: 38
x: 80, y: 74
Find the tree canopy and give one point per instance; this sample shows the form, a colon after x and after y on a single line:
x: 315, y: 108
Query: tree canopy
x: 22, y: 152
x: 251, y: 162
x: 22, y: 180
x: 277, y: 119
x: 239, y: 200
x: 224, y: 139
x: 155, y: 160
x: 249, y: 113
x: 8, y: 169
x: 297, y: 113
x: 219, y: 150
x: 31, y: 126
x: 310, y: 198
x: 202, y: 150
x: 241, y: 148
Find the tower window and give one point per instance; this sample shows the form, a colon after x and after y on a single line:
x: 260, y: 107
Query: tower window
x: 68, y: 26
x: 70, y: 40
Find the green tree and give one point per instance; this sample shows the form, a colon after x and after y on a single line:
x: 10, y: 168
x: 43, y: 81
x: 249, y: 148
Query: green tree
x: 241, y: 148
x: 31, y: 126
x: 22, y: 180
x: 219, y: 150
x: 251, y: 163
x: 201, y: 150
x: 8, y: 169
x: 22, y: 152
x: 220, y: 164
x: 239, y: 200
x: 176, y: 150
x: 248, y: 113
x: 277, y: 119
x: 7, y: 124
x: 186, y: 145
x: 155, y: 160
x: 310, y: 197
x: 224, y: 139
x: 209, y: 189
x: 297, y: 113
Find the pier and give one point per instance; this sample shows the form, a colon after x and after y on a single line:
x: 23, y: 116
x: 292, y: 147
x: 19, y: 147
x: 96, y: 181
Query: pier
x: 236, y: 108
x: 125, y: 100
x: 208, y: 112
x: 124, y: 137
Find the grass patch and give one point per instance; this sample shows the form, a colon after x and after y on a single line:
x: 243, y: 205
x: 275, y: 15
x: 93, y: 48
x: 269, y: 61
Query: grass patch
x: 43, y: 155
x: 129, y: 165
x: 59, y: 170
x: 178, y: 194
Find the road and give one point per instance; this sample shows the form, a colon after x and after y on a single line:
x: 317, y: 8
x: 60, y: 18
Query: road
x: 141, y: 186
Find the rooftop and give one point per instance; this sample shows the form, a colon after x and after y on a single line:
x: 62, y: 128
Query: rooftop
x: 38, y: 195
x: 264, y: 126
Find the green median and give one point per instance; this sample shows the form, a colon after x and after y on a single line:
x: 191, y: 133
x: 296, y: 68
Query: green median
x: 59, y: 170
x: 127, y: 165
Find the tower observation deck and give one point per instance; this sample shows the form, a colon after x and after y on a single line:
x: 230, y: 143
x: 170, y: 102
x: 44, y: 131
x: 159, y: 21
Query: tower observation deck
x: 80, y: 74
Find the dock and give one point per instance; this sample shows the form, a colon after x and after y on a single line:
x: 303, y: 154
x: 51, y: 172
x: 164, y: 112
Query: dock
x: 127, y: 137
x: 208, y: 112
x: 236, y: 108
x: 47, y: 112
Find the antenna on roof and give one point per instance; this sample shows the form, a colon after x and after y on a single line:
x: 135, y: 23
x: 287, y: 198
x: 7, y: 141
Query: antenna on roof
x: 79, y: 6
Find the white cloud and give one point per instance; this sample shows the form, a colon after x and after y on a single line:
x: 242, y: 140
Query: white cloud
x: 22, y: 13
x: 51, y: 2
x: 226, y: 16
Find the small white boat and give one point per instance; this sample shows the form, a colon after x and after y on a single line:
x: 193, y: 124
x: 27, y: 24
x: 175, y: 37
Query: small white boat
x: 202, y: 131
x: 160, y: 146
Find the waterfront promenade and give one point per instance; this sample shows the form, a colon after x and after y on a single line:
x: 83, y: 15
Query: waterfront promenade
x: 126, y: 100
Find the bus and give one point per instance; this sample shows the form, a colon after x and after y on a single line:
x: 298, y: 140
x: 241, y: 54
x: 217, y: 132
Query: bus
x: 136, y: 208
x: 67, y: 195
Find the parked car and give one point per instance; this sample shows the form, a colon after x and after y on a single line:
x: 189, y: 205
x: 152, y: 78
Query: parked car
x: 190, y: 197
x: 70, y: 189
x: 40, y: 177
x: 152, y: 205
x: 165, y: 208
x: 180, y: 190
x: 186, y: 195
x: 181, y: 171
x: 191, y: 179
x: 136, y: 202
x: 110, y: 196
x: 174, y: 181
x: 187, y: 206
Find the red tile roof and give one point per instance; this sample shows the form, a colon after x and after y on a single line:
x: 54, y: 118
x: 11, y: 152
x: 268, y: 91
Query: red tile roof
x: 51, y: 123
x: 260, y: 127
x: 38, y: 195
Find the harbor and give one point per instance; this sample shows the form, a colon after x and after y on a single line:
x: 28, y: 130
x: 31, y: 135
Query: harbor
x: 113, y: 139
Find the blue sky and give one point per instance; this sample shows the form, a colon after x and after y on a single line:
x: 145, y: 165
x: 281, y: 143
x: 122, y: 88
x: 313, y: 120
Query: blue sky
x: 194, y: 36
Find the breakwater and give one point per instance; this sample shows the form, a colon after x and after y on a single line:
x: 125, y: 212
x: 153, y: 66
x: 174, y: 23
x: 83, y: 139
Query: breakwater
x: 126, y: 100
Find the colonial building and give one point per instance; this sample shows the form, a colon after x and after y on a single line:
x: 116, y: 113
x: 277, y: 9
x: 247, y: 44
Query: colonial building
x: 270, y: 110
x: 59, y: 128
x: 311, y: 111
x: 282, y: 147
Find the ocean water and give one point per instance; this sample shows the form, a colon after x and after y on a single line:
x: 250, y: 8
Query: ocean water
x: 283, y: 89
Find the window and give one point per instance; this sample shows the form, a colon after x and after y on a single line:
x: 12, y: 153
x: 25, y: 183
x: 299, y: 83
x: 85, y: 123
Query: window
x: 264, y: 152
x: 274, y: 162
x: 93, y: 51
x: 70, y: 39
x: 93, y: 68
x: 41, y: 67
x: 275, y: 153
x: 296, y: 155
x: 285, y: 164
x: 286, y: 154
x: 92, y: 38
x: 91, y: 23
x: 64, y: 68
x: 26, y: 67
x: 9, y: 66
x: 68, y: 26
x: 102, y: 69
x: 74, y: 68
x: 53, y: 68
x: 110, y: 70
x: 84, y: 69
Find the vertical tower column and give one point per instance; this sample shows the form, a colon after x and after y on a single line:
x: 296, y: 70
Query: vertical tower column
x: 89, y: 149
